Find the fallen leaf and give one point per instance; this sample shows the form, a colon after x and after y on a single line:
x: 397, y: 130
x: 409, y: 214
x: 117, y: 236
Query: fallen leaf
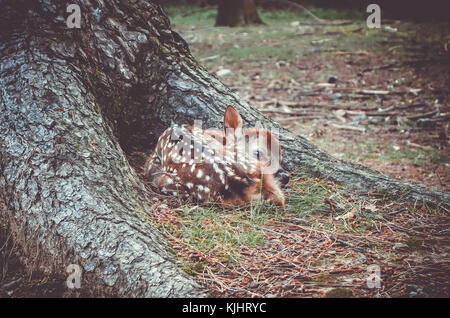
x: 371, y: 207
x: 347, y: 216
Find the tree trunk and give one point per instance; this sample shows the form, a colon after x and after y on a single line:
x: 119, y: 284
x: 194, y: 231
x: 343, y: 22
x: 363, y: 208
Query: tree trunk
x: 63, y: 175
x: 237, y: 12
x: 72, y: 99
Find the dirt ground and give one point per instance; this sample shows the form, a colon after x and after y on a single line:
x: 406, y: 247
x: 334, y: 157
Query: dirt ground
x: 379, y: 97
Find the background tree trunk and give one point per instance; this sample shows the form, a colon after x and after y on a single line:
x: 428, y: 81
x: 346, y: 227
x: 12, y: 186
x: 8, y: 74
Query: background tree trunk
x: 237, y: 12
x: 72, y: 99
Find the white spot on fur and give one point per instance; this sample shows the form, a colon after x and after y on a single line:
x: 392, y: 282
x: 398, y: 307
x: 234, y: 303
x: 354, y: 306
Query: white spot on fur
x: 229, y: 171
x: 216, y: 168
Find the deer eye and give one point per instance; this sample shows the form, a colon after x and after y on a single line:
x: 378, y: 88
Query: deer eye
x: 257, y: 154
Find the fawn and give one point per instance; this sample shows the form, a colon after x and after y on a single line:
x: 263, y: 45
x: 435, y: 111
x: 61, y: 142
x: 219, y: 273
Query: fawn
x: 232, y: 166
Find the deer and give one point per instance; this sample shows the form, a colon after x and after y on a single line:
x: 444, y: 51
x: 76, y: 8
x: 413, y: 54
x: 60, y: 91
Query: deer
x: 233, y: 166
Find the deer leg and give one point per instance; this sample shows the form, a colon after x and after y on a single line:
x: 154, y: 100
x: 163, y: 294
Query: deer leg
x: 272, y: 191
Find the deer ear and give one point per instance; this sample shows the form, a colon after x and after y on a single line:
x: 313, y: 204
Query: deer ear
x: 232, y: 119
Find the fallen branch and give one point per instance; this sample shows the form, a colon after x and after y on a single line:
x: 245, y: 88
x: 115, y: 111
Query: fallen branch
x: 382, y: 113
x: 288, y: 111
x: 361, y: 129
x: 416, y: 105
x: 374, y: 92
x: 426, y: 115
x: 411, y: 144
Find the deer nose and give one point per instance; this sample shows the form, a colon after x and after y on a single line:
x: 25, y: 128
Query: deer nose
x: 282, y: 176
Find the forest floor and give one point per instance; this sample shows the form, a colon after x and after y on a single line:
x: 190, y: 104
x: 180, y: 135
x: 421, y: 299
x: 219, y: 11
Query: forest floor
x: 379, y: 97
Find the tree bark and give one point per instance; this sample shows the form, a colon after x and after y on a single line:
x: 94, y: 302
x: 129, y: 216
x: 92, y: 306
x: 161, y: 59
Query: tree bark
x: 73, y: 101
x: 63, y: 175
x: 237, y: 12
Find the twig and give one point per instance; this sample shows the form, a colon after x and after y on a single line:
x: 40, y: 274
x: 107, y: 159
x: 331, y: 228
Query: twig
x: 398, y: 211
x: 11, y: 284
x: 296, y: 118
x: 411, y: 144
x: 294, y: 220
x: 361, y: 249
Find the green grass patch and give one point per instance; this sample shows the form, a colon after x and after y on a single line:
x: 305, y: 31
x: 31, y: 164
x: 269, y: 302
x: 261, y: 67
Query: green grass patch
x: 339, y: 293
x: 395, y: 154
x: 297, y: 15
x: 416, y: 156
x: 277, y: 40
x: 192, y: 15
x: 219, y: 232
x: 310, y: 196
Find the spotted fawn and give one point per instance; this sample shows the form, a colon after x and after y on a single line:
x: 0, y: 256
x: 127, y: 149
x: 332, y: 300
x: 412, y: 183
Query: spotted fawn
x: 232, y: 166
